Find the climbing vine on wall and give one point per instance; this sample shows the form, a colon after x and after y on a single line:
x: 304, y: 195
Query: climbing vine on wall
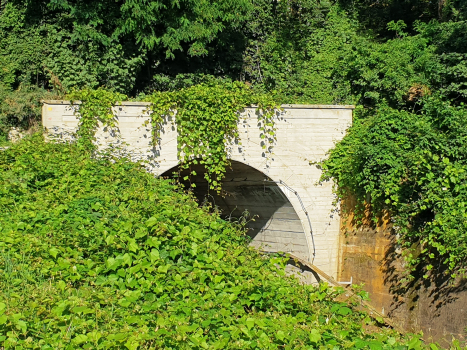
x: 413, y: 167
x: 96, y: 106
x: 207, y: 117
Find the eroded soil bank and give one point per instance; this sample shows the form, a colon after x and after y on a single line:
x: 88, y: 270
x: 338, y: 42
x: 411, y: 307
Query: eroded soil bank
x: 436, y: 305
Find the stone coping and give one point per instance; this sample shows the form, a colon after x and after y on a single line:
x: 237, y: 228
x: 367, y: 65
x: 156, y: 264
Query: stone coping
x: 288, y: 106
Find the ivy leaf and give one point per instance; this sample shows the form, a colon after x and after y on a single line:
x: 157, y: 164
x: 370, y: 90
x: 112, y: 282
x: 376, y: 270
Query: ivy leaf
x: 126, y: 259
x: 250, y: 322
x: 344, y: 311
x: 280, y: 335
x: 133, y: 246
x: 22, y: 325
x: 151, y: 221
x: 109, y: 239
x: 163, y: 268
x: 3, y: 319
x: 154, y: 255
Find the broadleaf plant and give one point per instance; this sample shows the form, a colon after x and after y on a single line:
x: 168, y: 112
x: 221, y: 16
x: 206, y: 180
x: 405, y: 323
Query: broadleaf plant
x: 97, y: 253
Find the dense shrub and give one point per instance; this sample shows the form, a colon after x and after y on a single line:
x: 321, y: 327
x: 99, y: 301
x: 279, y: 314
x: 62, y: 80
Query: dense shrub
x: 21, y: 107
x: 98, y: 253
x: 413, y: 166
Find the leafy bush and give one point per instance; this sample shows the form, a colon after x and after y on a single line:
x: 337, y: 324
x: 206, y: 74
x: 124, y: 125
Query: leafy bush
x: 296, y: 48
x: 414, y: 166
x: 20, y: 108
x: 376, y: 74
x: 97, y: 253
x: 406, y: 154
x: 108, y: 43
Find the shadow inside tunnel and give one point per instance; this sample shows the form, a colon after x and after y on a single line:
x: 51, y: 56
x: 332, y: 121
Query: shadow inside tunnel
x: 249, y: 196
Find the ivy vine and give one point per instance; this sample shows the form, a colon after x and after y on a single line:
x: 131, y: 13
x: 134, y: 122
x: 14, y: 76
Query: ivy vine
x: 206, y: 115
x: 95, y: 106
x: 412, y: 167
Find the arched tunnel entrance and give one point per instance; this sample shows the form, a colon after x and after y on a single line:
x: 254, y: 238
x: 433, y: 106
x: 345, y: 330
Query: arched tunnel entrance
x: 273, y: 223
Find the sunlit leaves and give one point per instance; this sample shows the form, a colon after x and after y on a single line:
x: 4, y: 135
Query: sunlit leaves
x: 191, y: 281
x: 96, y: 106
x: 207, y: 117
x: 412, y: 166
x: 170, y: 25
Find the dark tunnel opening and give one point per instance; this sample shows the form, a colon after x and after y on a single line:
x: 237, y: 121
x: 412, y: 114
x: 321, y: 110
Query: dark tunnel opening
x: 272, y: 222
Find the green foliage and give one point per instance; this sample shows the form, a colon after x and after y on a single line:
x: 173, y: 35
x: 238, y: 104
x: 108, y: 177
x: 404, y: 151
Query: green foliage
x: 21, y: 50
x: 450, y: 44
x: 377, y: 74
x: 194, y: 22
x: 413, y: 166
x: 96, y: 107
x: 76, y: 62
x: 108, y: 43
x: 403, y: 152
x: 207, y: 117
x: 391, y: 53
x: 20, y: 108
x: 298, y: 49
x: 98, y: 253
x: 164, y: 82
x: 374, y: 16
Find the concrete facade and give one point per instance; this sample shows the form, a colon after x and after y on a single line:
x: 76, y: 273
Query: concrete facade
x: 304, y: 133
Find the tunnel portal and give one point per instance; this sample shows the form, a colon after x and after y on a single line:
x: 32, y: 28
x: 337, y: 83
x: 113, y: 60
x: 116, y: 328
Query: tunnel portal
x: 303, y: 136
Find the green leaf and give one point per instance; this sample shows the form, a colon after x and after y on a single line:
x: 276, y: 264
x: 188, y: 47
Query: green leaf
x: 79, y: 339
x: 250, y: 322
x: 3, y: 319
x: 22, y: 325
x: 127, y: 259
x: 109, y: 239
x: 154, y: 255
x: 375, y: 345
x: 133, y: 246
x: 163, y: 268
x: 54, y: 251
x: 314, y: 336
x: 151, y: 221
x: 61, y: 285
x: 344, y: 311
x: 280, y: 335
x: 82, y: 310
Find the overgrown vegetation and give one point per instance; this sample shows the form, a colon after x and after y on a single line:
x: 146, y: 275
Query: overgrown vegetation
x: 412, y: 165
x: 98, y: 253
x: 94, y: 107
x: 403, y: 62
x: 406, y: 152
x: 206, y: 116
x: 20, y: 108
